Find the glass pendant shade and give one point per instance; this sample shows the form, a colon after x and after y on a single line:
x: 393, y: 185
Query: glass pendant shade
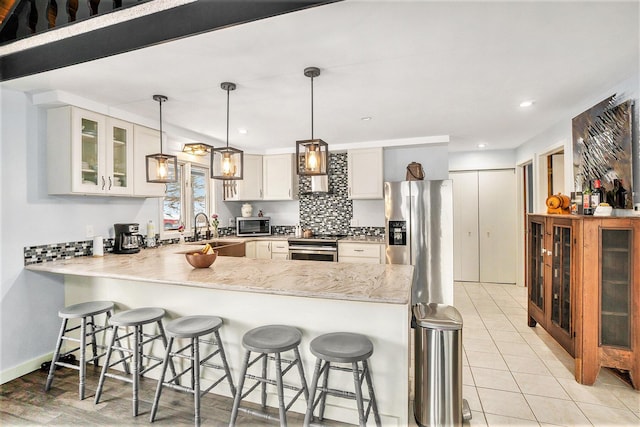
x: 312, y: 157
x: 226, y: 163
x: 196, y: 149
x: 161, y: 168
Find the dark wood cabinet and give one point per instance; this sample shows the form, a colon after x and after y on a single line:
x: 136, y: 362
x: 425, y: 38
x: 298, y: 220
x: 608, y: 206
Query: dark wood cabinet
x: 551, y: 268
x: 583, y: 278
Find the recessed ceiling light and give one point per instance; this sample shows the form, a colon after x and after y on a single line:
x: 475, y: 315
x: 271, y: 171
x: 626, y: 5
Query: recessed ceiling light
x: 527, y: 103
x: 242, y: 131
x: 365, y: 119
x: 482, y: 145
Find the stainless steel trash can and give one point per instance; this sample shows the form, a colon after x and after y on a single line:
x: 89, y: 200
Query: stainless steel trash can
x: 438, y: 366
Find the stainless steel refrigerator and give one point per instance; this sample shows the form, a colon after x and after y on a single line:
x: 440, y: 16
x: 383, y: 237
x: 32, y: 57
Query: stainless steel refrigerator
x: 419, y: 232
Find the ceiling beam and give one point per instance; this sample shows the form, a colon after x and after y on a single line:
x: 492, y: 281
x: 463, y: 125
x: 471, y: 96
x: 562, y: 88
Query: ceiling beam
x: 161, y: 27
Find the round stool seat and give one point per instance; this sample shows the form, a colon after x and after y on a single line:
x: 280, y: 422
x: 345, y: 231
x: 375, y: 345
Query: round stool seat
x: 84, y: 309
x: 342, y: 347
x: 271, y: 339
x: 137, y: 316
x: 193, y: 326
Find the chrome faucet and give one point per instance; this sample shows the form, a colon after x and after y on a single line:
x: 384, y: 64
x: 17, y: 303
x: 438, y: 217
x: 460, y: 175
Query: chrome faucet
x: 196, y: 234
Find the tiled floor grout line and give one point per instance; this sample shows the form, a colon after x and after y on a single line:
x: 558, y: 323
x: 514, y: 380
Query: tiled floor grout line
x: 495, y: 293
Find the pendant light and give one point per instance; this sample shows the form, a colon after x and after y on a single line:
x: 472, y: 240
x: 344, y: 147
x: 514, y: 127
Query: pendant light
x: 161, y: 168
x: 226, y: 162
x: 312, y: 155
x: 197, y: 149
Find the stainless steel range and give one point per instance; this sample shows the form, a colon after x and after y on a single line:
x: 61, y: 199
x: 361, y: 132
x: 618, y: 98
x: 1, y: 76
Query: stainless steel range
x: 316, y: 248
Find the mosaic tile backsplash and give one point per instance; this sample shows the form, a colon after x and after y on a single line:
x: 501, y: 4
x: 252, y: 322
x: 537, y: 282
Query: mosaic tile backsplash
x: 328, y: 213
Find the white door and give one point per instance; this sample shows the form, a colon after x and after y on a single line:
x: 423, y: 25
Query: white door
x: 466, y: 261
x: 497, y: 218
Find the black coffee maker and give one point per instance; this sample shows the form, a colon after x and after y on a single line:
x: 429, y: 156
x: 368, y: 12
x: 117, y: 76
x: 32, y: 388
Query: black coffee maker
x: 127, y: 240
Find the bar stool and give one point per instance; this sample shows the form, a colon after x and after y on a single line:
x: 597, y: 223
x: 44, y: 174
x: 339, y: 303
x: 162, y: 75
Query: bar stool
x: 342, y: 347
x: 193, y: 328
x: 267, y: 340
x: 86, y: 312
x: 135, y: 318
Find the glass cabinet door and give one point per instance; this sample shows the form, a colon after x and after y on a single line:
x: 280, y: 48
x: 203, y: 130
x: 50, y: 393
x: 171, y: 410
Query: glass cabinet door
x: 119, y: 152
x: 89, y: 151
x: 615, y: 287
x: 119, y: 147
x: 561, y: 278
x: 536, y: 264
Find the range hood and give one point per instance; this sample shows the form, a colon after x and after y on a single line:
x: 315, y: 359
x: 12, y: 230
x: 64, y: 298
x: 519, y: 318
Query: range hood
x: 319, y: 185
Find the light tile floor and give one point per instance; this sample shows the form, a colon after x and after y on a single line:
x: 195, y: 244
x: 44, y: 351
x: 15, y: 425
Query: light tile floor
x: 516, y: 375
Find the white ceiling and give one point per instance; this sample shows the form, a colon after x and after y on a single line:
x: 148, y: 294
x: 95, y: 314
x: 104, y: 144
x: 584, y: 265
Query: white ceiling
x: 418, y: 68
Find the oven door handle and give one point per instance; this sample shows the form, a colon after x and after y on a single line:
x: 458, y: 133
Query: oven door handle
x: 312, y: 249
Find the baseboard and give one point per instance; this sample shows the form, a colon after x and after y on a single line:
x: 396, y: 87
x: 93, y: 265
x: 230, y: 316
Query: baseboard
x: 24, y: 368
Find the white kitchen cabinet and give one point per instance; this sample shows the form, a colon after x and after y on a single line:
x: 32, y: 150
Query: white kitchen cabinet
x: 484, y: 205
x: 267, y: 249
x: 88, y: 153
x: 365, y: 173
x: 250, y: 250
x: 367, y: 253
x: 263, y: 249
x: 146, y: 141
x: 279, y: 178
x: 279, y: 249
x: 250, y: 186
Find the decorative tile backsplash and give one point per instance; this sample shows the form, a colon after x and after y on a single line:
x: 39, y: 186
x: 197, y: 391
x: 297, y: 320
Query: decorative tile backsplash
x: 328, y: 213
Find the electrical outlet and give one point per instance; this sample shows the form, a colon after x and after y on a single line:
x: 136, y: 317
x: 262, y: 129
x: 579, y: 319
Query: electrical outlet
x: 354, y: 222
x: 231, y: 222
x: 89, y: 229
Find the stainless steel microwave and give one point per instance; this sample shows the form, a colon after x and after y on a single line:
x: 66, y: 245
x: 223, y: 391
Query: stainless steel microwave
x: 253, y: 226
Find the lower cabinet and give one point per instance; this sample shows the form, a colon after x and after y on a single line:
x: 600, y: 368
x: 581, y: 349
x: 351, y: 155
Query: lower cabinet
x: 583, y: 278
x: 267, y: 249
x: 368, y: 253
x: 279, y: 249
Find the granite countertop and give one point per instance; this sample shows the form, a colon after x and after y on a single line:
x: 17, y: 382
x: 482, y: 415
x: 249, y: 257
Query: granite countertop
x: 330, y: 280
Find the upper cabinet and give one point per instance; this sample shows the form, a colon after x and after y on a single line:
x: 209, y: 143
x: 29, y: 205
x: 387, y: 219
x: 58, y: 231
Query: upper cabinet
x: 146, y: 141
x: 279, y: 178
x: 92, y: 154
x: 250, y: 186
x: 365, y: 173
x: 88, y: 153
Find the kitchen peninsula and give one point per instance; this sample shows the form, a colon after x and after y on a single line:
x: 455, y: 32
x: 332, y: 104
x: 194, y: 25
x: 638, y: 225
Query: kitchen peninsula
x: 315, y: 297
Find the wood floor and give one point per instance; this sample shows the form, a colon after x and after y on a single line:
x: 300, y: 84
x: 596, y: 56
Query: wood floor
x: 24, y: 402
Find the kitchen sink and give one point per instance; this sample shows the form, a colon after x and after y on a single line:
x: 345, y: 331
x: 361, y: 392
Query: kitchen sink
x: 223, y: 248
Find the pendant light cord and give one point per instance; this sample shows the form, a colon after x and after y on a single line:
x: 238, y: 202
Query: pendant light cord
x: 312, y: 107
x: 160, y: 101
x: 228, y: 117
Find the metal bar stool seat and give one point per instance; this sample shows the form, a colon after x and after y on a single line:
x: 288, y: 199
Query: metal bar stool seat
x: 343, y: 348
x: 136, y: 319
x: 193, y: 328
x: 270, y: 340
x: 86, y: 312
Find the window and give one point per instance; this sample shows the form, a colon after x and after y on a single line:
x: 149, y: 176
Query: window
x: 184, y: 199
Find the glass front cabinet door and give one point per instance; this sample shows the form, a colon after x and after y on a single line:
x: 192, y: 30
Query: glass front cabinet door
x: 87, y: 152
x: 611, y: 320
x: 119, y: 157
